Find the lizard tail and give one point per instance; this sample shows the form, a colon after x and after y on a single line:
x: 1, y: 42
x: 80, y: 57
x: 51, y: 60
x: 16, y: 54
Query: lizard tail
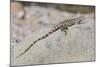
x: 46, y: 35
x: 25, y: 50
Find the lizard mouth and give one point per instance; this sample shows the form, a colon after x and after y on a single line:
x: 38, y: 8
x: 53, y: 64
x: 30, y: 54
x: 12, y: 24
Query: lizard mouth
x: 81, y: 22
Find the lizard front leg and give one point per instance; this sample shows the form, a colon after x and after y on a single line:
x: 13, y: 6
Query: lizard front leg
x: 64, y: 29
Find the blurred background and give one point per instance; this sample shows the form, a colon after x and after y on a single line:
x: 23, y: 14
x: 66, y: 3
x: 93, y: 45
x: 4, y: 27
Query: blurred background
x: 32, y: 20
x: 28, y: 17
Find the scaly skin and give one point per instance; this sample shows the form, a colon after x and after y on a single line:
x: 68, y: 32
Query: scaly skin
x: 63, y: 26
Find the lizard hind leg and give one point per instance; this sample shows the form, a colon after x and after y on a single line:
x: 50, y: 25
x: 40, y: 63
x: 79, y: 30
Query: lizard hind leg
x: 64, y: 30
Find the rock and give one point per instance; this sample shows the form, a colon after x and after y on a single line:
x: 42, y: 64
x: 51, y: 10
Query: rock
x: 77, y: 45
x: 17, y: 9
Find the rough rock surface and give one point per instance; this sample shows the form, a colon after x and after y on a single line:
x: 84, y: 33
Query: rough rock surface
x: 78, y: 45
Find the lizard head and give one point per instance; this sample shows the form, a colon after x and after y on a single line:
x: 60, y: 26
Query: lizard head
x: 79, y: 20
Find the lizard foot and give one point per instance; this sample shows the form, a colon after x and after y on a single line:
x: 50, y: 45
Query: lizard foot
x: 64, y: 30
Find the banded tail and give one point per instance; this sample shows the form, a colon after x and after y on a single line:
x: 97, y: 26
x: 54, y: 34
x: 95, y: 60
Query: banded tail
x: 46, y: 35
